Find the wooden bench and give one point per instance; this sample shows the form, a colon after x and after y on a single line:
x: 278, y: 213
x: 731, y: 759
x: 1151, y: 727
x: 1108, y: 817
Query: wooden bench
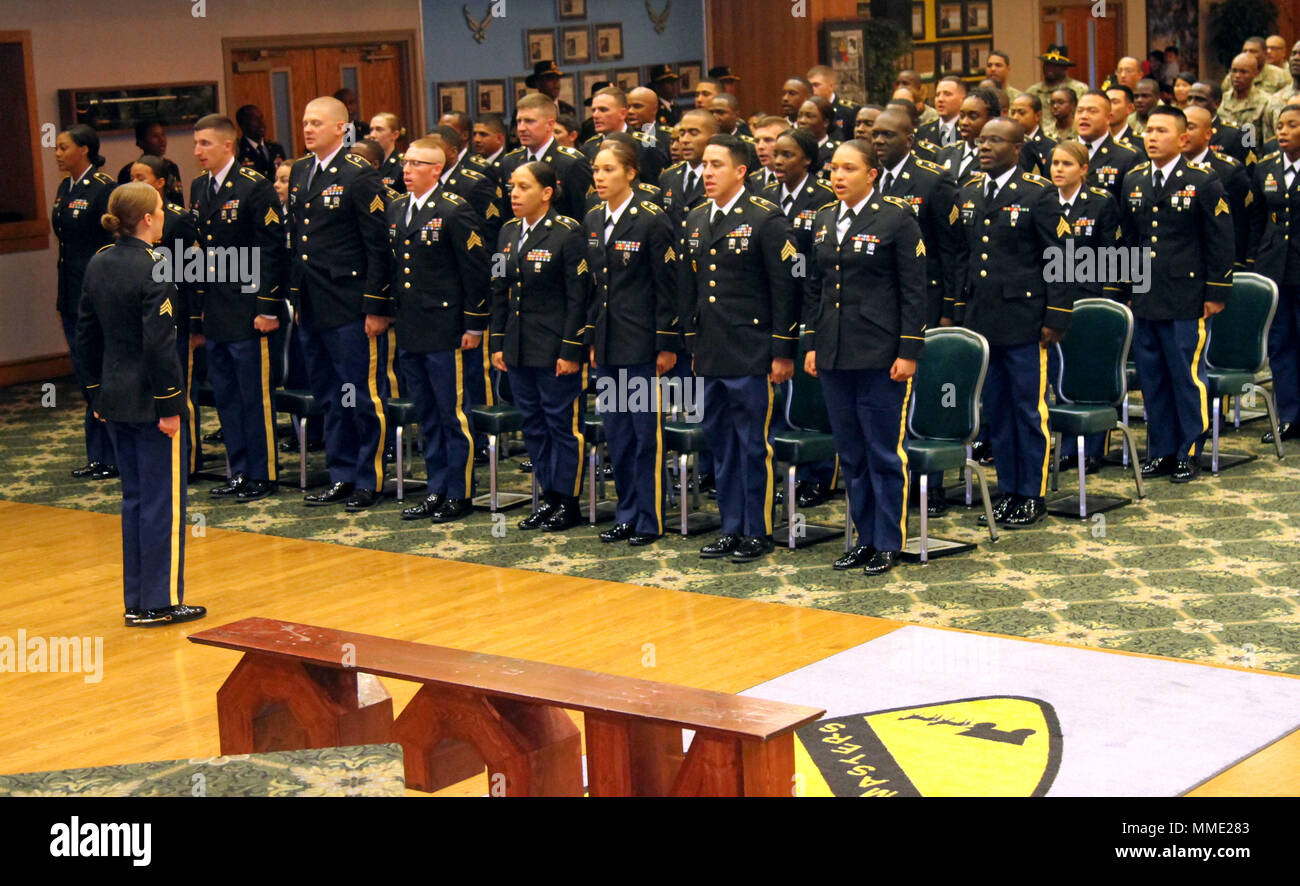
x: 300, y: 686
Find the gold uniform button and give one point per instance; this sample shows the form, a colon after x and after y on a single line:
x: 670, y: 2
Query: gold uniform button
x: 408, y: 284
x: 713, y: 252
x: 984, y: 273
x: 407, y: 242
x: 1154, y: 238
x: 713, y: 267
x: 306, y: 221
x: 984, y: 256
x: 406, y: 270
x: 713, y: 283
x: 837, y: 304
x: 209, y: 236
x: 406, y: 255
x: 304, y: 238
x: 985, y: 238
x: 987, y: 222
x: 755, y: 321
x: 1193, y: 273
x: 713, y: 298
x: 304, y: 258
x: 1155, y: 224
x: 837, y: 267
x: 1155, y: 208
x: 837, y: 286
x: 444, y: 304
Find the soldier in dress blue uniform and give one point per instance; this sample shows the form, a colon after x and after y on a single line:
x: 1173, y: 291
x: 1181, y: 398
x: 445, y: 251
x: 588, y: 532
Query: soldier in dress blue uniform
x: 81, y: 201
x: 817, y: 116
x: 386, y: 130
x: 738, y: 290
x: 643, y: 191
x: 1225, y: 137
x: 1108, y: 160
x: 931, y: 192
x: 824, y: 79
x: 961, y: 158
x: 539, y: 315
x: 237, y: 212
x: 1036, y: 157
x: 1276, y: 255
x: 256, y: 151
x: 151, y: 138
x: 609, y: 115
x: 725, y: 109
x: 440, y: 287
x: 666, y: 85
x: 683, y: 183
x: 537, y: 142
x: 1232, y: 175
x: 179, y: 234
x: 864, y: 330
x: 634, y: 267
x: 126, y: 334
x: 1178, y: 211
x: 1007, y: 216
x: 339, y: 278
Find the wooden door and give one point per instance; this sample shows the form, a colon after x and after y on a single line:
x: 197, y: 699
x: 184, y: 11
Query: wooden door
x: 1093, y: 42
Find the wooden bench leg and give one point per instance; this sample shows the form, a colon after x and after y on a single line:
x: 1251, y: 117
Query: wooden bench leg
x: 723, y: 767
x: 631, y: 758
x: 448, y: 735
x: 270, y: 704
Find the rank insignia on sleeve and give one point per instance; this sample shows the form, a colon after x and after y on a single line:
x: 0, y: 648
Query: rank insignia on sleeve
x: 788, y: 251
x: 670, y: 256
x: 952, y: 216
x: 582, y: 267
x: 474, y: 240
x: 920, y: 248
x: 492, y: 211
x: 166, y: 309
x: 1062, y: 228
x: 271, y: 216
x: 1221, y: 207
x: 377, y: 204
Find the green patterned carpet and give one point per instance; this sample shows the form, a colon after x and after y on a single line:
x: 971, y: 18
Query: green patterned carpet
x: 1208, y: 571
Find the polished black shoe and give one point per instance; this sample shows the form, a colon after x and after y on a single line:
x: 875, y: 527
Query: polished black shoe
x: 453, y: 509
x: 292, y: 445
x: 229, y: 489
x: 150, y: 618
x: 130, y: 617
x: 88, y: 470
x: 538, y: 517
x: 1091, y: 464
x: 1290, y: 431
x: 1185, y: 471
x: 937, y: 505
x: 609, y: 472
x: 105, y: 472
x: 336, y: 494
x: 982, y: 453
x: 1027, y: 513
x: 424, y: 509
x: 187, y: 613
x: 215, y: 437
x: 360, y: 500
x: 390, y: 454
x: 1002, y: 505
x: 707, y: 482
x: 881, y: 562
x: 252, y: 490
x: 810, y: 495
x: 723, y: 547
x: 567, y: 514
x: 855, y: 558
x: 641, y: 539
x: 526, y: 466
x: 752, y: 547
x: 621, y: 532
x: 1159, y: 467
x: 481, y: 456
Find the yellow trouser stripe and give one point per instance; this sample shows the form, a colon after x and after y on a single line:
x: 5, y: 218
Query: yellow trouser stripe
x: 488, y: 397
x: 659, y: 456
x: 391, y: 362
x: 372, y: 379
x: 767, y: 465
x: 577, y: 433
x: 902, y: 455
x: 1196, y: 380
x: 193, y: 410
x: 1042, y: 416
x: 463, y: 419
x: 174, y: 572
x: 835, y: 472
x: 268, y: 414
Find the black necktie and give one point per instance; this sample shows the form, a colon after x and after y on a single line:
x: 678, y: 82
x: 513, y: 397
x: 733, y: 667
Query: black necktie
x: 1159, y: 180
x: 311, y: 176
x: 688, y: 183
x: 991, y: 190
x: 787, y: 203
x: 849, y: 215
x: 884, y: 183
x: 609, y: 227
x: 716, y: 217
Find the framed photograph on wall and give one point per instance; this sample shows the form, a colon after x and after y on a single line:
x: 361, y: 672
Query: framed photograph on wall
x: 588, y: 79
x: 952, y: 58
x: 608, y: 41
x: 923, y: 60
x: 569, y: 91
x: 575, y: 45
x: 627, y: 78
x: 518, y: 89
x: 539, y: 46
x: 918, y: 21
x: 977, y: 56
x: 688, y: 75
x: 489, y: 97
x: 453, y: 95
x: 842, y: 45
x: 570, y: 10
x: 950, y: 19
x: 979, y: 16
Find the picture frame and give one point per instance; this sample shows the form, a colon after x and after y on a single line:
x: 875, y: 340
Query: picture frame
x: 628, y: 78
x: 587, y: 79
x: 575, y: 45
x: 688, y: 75
x: 570, y: 10
x: 923, y: 61
x: 950, y: 18
x: 539, y: 46
x: 489, y: 97
x: 842, y: 46
x: 518, y: 89
x: 569, y: 90
x: 979, y: 17
x: 607, y: 40
x: 918, y: 21
x: 952, y: 58
x: 453, y: 95
x: 977, y: 56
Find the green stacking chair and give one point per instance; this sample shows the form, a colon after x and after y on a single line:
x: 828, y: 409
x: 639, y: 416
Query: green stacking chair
x: 1092, y: 386
x: 806, y: 440
x: 944, y: 420
x: 301, y: 405
x: 496, y: 421
x: 1237, y: 349
x: 684, y: 435
x: 400, y: 412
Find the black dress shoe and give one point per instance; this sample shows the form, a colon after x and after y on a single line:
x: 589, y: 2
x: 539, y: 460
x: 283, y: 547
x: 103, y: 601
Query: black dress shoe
x: 538, y: 517
x: 292, y: 445
x: 621, y: 532
x: 982, y: 453
x: 1027, y: 513
x: 1290, y: 431
x: 1185, y: 471
x: 1159, y: 467
x: 105, y: 472
x: 215, y: 437
x: 424, y: 509
x: 641, y: 539
x: 526, y: 466
x: 1002, y: 505
x: 609, y: 472
x: 131, y: 616
x: 360, y: 500
x: 1091, y: 464
x: 810, y: 495
x: 937, y: 506
x: 187, y: 613
x: 229, y: 489
x: 567, y: 514
x: 336, y: 494
x: 150, y: 618
x: 390, y: 454
x: 453, y: 509
x: 88, y: 470
x: 723, y: 547
x: 481, y: 456
x: 855, y: 558
x: 881, y: 562
x: 707, y: 481
x: 752, y: 547
x: 252, y: 490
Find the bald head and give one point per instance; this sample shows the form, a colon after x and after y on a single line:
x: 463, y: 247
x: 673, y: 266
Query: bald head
x: 1200, y: 127
x: 642, y: 105
x: 323, y: 123
x: 1128, y: 71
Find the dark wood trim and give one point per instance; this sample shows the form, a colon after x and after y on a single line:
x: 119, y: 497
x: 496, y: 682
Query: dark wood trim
x: 32, y: 234
x: 35, y: 369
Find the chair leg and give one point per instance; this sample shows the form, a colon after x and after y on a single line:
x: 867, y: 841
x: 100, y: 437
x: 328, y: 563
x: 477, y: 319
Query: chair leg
x: 401, y: 473
x: 1236, y: 412
x: 682, y: 472
x: 789, y: 506
x: 537, y: 493
x: 1130, y: 446
x: 1214, y: 456
x: 970, y: 451
x: 973, y: 466
x: 591, y: 485
x: 302, y: 453
x: 492, y: 472
x: 848, y: 522
x: 1124, y: 421
x: 925, y: 519
x: 1083, y: 482
x: 1272, y: 419
x: 1056, y: 461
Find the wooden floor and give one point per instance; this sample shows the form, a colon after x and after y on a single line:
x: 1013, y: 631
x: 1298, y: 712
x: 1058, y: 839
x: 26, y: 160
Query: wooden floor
x: 156, y: 701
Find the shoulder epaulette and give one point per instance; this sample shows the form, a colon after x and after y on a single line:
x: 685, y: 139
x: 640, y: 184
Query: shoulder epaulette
x: 1199, y: 167
x: 652, y: 208
x: 898, y: 201
x: 1035, y: 179
x: 452, y: 196
x: 105, y: 179
x: 472, y: 173
x: 599, y: 207
x: 1145, y: 164
x: 1124, y: 144
x: 400, y: 197
x: 1100, y: 192
x: 747, y: 138
x: 595, y: 138
x: 516, y: 151
x: 764, y: 204
x: 105, y: 246
x: 176, y: 208
x: 566, y: 221
x: 974, y: 177
x: 251, y: 174
x: 823, y: 184
x: 680, y: 163
x: 569, y: 152
x: 476, y: 159
x: 1228, y: 158
x: 513, y: 221
x: 771, y: 186
x: 306, y: 156
x: 827, y: 205
x: 1267, y: 157
x: 929, y: 165
x: 392, y: 195
x: 928, y: 145
x: 203, y: 174
x: 357, y: 161
x: 153, y: 255
x: 649, y: 189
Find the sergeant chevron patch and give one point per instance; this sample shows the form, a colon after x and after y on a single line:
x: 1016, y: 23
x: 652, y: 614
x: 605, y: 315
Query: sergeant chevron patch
x: 1062, y: 228
x: 952, y: 216
x: 920, y: 248
x: 271, y: 216
x: 474, y: 240
x: 788, y: 251
x: 582, y: 266
x: 1221, y: 207
x: 670, y: 256
x: 166, y: 309
x: 377, y: 204
x: 492, y: 211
